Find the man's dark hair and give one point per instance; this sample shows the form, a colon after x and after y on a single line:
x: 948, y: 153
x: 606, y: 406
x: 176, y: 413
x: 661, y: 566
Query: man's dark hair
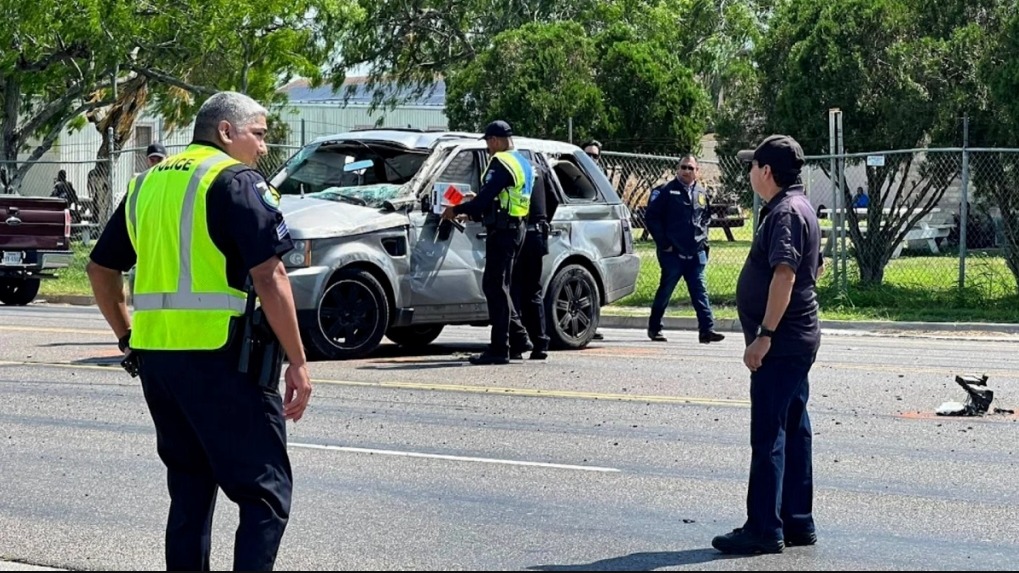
x: 785, y: 179
x: 591, y: 142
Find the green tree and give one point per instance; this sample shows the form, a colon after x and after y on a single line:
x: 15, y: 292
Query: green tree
x: 900, y: 83
x: 996, y: 175
x: 536, y: 77
x: 653, y: 102
x: 69, y: 58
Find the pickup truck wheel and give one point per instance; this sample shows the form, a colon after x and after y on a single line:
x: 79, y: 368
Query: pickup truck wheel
x: 414, y: 336
x: 352, y: 316
x: 18, y: 292
x: 572, y: 308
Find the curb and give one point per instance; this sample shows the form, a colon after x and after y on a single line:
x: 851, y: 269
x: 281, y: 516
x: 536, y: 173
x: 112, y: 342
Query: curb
x: 639, y: 321
x: 733, y: 325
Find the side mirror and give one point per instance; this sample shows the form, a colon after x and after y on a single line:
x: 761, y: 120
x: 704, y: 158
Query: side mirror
x: 358, y: 165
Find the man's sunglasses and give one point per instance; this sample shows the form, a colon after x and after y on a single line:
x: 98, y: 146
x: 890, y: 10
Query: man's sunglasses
x: 594, y: 156
x: 686, y: 168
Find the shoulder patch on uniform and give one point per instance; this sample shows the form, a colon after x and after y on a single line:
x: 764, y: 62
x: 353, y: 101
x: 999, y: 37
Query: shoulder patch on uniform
x: 268, y: 194
x: 654, y: 194
x: 488, y: 176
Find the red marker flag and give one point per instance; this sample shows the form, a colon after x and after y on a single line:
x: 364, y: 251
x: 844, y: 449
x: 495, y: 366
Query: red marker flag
x: 453, y: 195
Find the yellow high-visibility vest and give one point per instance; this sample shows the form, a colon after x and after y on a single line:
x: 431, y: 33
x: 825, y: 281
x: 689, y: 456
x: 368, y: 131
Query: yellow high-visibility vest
x: 182, y: 299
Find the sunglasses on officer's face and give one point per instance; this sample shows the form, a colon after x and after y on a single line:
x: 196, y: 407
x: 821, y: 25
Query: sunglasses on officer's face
x: 594, y: 156
x: 686, y: 168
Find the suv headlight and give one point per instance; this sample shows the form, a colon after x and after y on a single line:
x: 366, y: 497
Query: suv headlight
x: 300, y: 256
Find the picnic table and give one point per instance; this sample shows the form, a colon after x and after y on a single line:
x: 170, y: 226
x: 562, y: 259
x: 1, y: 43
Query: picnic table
x: 927, y: 231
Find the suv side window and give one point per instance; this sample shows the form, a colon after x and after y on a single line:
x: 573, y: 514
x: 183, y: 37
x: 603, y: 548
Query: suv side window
x: 577, y: 186
x: 464, y: 169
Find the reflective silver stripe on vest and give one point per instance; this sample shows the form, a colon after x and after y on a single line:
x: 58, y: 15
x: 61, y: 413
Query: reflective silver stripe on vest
x: 188, y: 301
x: 132, y: 211
x: 187, y: 220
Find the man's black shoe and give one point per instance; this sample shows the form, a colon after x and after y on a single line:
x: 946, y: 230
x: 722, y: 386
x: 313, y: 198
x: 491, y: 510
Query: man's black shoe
x: 486, y: 358
x: 740, y: 542
x: 657, y: 336
x: 598, y: 336
x: 711, y: 336
x: 799, y: 539
x: 517, y: 352
x: 538, y: 355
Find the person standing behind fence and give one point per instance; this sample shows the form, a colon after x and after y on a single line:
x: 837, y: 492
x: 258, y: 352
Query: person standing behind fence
x: 155, y: 153
x: 777, y: 305
x: 677, y: 217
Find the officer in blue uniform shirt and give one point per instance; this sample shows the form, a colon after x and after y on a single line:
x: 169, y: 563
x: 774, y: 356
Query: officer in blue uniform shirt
x: 502, y: 205
x: 677, y: 217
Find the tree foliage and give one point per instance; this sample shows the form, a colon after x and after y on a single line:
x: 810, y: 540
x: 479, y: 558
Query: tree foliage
x: 536, y: 77
x: 899, y: 73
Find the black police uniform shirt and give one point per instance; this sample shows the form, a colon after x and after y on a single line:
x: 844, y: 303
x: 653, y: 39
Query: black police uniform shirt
x: 244, y: 223
x: 677, y: 216
x: 497, y: 177
x: 788, y: 234
x: 536, y: 212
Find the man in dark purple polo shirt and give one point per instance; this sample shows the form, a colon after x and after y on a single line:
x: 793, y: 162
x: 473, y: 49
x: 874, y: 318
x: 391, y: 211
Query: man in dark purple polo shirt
x: 777, y: 304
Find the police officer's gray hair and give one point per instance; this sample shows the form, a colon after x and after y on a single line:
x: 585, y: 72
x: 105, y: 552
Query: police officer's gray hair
x: 686, y: 156
x: 238, y: 109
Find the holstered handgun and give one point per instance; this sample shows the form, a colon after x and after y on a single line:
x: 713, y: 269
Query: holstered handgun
x: 261, y: 352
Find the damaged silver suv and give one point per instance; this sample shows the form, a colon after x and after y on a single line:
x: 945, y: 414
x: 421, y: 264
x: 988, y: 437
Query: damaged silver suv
x: 373, y: 259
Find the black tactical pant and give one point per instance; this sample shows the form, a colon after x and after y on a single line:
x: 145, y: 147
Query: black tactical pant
x: 216, y: 428
x: 501, y: 250
x: 526, y: 291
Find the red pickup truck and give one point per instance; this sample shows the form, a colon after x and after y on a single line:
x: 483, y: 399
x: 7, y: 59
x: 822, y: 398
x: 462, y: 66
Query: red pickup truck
x: 35, y: 239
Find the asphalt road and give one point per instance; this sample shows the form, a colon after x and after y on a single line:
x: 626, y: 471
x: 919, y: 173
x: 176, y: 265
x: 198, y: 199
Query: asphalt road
x: 629, y: 455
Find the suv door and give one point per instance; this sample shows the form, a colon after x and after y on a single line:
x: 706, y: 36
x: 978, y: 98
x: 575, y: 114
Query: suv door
x: 446, y: 264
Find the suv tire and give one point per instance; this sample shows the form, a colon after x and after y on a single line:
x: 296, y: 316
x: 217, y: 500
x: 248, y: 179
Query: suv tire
x: 18, y: 292
x: 351, y: 318
x: 572, y: 308
x: 414, y: 336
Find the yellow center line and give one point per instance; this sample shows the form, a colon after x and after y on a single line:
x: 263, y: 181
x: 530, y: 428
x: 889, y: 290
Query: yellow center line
x: 434, y: 387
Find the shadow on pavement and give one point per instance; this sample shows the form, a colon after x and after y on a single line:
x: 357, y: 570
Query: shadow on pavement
x: 643, y: 561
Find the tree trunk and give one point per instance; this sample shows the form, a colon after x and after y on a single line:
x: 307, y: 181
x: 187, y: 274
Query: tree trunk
x: 121, y: 117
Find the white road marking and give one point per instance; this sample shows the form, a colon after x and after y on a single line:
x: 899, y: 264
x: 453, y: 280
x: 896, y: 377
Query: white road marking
x: 452, y: 458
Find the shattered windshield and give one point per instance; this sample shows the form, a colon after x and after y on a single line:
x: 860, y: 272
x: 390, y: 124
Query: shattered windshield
x: 362, y: 173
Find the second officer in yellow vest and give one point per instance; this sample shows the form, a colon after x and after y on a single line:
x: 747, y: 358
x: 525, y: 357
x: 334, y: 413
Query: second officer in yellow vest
x: 502, y: 205
x: 196, y: 226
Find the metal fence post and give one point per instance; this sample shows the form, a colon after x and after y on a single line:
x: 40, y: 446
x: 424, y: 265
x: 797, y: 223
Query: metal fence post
x: 964, y: 204
x: 304, y: 134
x: 107, y: 209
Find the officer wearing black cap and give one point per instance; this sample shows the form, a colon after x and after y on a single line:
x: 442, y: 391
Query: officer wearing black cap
x: 155, y: 153
x: 777, y: 303
x: 502, y: 204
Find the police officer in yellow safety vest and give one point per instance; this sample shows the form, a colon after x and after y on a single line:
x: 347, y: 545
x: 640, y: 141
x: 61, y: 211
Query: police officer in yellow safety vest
x: 502, y: 204
x: 196, y: 225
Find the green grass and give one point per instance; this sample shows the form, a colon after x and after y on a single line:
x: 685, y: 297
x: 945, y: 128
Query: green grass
x: 922, y: 288
x: 71, y: 280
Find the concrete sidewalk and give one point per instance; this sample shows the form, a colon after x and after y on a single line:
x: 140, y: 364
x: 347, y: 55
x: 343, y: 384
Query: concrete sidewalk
x: 957, y: 329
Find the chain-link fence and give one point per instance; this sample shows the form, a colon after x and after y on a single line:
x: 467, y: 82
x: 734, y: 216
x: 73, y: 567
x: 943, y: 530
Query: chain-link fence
x: 933, y: 222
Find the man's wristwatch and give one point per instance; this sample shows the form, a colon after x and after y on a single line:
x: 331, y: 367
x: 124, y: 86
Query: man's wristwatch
x: 764, y: 332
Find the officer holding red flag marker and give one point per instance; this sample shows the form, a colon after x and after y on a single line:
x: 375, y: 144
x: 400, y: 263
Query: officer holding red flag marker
x: 502, y: 205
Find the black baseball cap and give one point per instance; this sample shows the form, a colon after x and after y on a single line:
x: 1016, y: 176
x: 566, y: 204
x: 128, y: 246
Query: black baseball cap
x: 781, y: 152
x: 155, y: 150
x: 498, y: 128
